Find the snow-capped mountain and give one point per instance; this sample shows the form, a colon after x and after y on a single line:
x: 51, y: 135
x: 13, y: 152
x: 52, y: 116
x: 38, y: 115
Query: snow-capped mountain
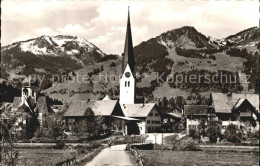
x: 74, y: 47
x: 217, y: 42
x: 244, y: 37
x: 48, y: 55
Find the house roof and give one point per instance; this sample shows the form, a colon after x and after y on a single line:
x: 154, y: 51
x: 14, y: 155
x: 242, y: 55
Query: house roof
x: 18, y: 105
x: 239, y: 102
x: 42, y: 106
x: 100, y: 107
x: 137, y: 110
x: 106, y: 97
x: 195, y: 109
x: 56, y: 108
x: 174, y: 114
x: 224, y: 103
x: 17, y: 102
x: 31, y: 102
x: 126, y: 118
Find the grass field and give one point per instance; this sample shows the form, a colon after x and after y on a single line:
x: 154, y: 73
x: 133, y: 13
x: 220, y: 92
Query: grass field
x: 42, y: 157
x: 201, y: 158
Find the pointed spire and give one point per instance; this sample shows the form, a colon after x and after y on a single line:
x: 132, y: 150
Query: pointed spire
x: 128, y: 55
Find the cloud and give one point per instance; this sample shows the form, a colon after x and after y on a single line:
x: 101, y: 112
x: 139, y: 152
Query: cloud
x: 104, y: 23
x: 72, y: 29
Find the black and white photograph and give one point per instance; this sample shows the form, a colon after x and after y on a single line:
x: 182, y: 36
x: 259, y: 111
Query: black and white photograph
x: 129, y: 83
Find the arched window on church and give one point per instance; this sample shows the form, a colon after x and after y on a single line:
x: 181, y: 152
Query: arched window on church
x: 128, y: 83
x: 125, y: 83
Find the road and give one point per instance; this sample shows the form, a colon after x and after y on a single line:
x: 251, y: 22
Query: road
x: 113, y: 156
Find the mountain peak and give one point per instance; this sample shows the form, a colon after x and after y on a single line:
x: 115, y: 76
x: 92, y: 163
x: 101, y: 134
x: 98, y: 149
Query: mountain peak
x: 186, y: 36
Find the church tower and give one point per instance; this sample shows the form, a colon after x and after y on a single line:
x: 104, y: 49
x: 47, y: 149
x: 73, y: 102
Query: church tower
x: 127, y: 81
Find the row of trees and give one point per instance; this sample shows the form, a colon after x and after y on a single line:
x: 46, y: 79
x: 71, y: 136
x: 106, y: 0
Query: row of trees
x: 231, y: 134
x: 191, y: 53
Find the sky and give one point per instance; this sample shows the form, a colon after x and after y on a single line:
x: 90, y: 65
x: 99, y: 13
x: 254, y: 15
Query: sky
x: 103, y: 22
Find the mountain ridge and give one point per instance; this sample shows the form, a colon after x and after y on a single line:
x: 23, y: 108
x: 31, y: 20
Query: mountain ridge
x: 173, y: 52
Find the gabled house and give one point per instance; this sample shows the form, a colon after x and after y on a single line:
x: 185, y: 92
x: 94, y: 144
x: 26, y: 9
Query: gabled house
x: 196, y: 116
x: 172, y: 120
x: 44, y: 110
x: 241, y: 109
x: 109, y: 110
x: 148, y: 114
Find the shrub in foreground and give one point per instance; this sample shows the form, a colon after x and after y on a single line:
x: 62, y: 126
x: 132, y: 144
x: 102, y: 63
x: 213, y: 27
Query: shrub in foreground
x: 233, y: 134
x: 193, y: 133
x: 213, y: 132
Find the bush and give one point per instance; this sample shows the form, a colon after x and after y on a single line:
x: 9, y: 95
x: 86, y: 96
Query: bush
x: 254, y: 134
x: 59, y: 144
x: 193, y: 133
x: 190, y: 146
x: 233, y: 134
x: 213, y: 132
x: 185, y: 144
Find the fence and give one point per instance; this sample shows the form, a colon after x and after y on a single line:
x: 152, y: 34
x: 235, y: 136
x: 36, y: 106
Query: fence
x: 142, y: 142
x: 137, y: 156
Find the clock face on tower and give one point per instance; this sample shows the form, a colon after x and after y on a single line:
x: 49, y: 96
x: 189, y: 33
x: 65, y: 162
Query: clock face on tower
x: 127, y: 74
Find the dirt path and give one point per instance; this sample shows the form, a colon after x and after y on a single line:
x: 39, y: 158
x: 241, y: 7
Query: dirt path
x: 113, y: 156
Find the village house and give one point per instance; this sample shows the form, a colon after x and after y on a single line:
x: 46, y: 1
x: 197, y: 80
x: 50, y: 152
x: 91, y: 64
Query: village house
x: 231, y: 108
x: 240, y: 109
x: 148, y: 114
x: 196, y: 116
x: 29, y: 106
x: 110, y: 110
x: 172, y: 120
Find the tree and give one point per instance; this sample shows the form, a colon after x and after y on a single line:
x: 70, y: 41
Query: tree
x: 233, y: 134
x: 213, y: 131
x: 7, y: 147
x: 90, y: 126
x: 193, y: 133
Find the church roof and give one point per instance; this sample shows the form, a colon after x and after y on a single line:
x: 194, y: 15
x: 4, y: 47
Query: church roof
x: 224, y: 103
x: 128, y: 55
x: 99, y: 108
x: 137, y: 110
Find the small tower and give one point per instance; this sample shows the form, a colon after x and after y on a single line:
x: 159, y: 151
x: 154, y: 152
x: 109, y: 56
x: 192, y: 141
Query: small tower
x: 29, y: 89
x: 127, y: 81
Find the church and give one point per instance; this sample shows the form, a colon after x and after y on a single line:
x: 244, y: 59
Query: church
x: 147, y: 113
x: 123, y: 115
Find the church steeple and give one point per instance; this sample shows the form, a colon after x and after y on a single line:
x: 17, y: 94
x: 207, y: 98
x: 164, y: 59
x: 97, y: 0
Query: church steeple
x: 127, y: 81
x: 128, y: 55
